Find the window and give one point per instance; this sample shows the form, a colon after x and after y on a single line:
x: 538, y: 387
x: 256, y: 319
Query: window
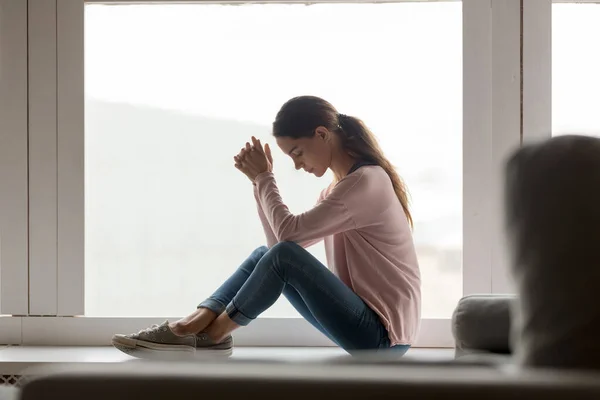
x: 173, y: 91
x: 110, y: 211
x: 575, y: 66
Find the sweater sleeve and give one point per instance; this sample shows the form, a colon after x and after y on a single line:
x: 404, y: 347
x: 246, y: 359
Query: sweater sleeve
x: 328, y: 217
x: 270, y: 236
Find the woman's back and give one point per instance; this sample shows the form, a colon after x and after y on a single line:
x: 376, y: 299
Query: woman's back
x: 376, y: 258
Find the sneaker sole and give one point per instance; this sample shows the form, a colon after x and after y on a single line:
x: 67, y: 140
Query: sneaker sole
x: 144, y: 349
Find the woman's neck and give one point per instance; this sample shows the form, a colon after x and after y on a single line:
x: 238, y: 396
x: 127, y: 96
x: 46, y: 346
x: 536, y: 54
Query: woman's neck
x: 341, y: 164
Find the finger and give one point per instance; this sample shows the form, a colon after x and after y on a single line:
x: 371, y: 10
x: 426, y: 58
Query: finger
x: 248, y: 146
x: 268, y: 153
x: 257, y: 144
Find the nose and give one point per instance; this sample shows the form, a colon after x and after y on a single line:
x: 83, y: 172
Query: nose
x: 297, y: 164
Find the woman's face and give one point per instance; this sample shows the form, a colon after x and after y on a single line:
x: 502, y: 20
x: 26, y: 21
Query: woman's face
x: 312, y: 154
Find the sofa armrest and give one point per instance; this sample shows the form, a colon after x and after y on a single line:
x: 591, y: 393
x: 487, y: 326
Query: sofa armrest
x: 481, y: 324
x: 149, y: 381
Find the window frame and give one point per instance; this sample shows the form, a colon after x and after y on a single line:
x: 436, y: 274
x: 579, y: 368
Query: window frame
x: 14, y: 192
x: 537, y: 68
x: 491, y: 121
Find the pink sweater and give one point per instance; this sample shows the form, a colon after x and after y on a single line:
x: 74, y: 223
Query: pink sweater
x: 368, y: 242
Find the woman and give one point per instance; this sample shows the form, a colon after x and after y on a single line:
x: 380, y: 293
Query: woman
x: 368, y: 299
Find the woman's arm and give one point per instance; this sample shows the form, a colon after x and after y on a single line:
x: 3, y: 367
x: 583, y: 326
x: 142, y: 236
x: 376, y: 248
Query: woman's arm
x: 269, y: 234
x: 253, y: 161
x: 328, y: 217
x: 271, y: 239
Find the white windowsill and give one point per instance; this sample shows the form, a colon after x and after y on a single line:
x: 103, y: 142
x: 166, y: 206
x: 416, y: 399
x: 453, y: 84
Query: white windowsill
x: 14, y: 359
x: 264, y: 332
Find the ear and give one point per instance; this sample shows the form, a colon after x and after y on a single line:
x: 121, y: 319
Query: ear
x: 323, y: 133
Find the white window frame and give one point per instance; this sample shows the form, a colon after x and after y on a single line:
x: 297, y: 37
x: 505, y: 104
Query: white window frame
x: 537, y: 70
x: 55, y: 220
x: 14, y: 241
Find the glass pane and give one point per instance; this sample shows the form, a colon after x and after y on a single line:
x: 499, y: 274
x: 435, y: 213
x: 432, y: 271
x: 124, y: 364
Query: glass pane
x: 575, y: 66
x: 173, y: 92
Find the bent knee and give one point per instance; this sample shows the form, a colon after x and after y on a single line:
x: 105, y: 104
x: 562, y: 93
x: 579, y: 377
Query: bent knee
x: 281, y: 256
x: 260, y: 251
x: 285, y: 251
x: 286, y: 247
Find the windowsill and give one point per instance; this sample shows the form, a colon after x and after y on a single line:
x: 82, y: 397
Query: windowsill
x: 14, y: 359
x: 263, y: 332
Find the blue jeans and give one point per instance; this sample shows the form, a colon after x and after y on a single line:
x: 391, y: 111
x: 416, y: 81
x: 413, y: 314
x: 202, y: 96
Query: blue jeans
x: 314, y: 291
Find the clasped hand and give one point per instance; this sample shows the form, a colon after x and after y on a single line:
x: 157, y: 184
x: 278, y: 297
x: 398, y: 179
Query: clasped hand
x: 253, y: 160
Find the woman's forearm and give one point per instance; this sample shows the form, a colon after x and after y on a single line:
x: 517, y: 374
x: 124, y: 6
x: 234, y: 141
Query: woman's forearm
x: 269, y: 235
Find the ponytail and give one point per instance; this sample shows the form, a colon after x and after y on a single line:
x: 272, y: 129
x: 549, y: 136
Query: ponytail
x: 361, y: 144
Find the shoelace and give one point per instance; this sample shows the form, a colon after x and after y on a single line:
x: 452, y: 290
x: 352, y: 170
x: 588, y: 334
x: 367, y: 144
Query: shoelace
x: 202, y: 336
x: 149, y: 329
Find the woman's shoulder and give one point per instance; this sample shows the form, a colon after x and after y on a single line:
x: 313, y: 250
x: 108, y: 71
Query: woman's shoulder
x: 362, y: 181
x: 372, y: 171
x: 366, y: 171
x: 368, y: 175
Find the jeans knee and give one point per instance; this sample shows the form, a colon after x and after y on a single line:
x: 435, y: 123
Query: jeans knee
x: 260, y: 251
x: 282, y: 251
x: 283, y: 248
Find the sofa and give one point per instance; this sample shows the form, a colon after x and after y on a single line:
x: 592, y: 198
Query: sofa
x: 541, y: 342
x: 483, y: 369
x: 327, y: 380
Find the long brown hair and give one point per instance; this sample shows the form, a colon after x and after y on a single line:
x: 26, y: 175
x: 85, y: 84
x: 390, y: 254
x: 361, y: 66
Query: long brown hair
x: 301, y: 116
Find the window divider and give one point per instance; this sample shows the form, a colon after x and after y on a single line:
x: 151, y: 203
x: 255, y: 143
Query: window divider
x: 70, y: 162
x: 42, y: 71
x: 14, y: 240
x: 537, y: 70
